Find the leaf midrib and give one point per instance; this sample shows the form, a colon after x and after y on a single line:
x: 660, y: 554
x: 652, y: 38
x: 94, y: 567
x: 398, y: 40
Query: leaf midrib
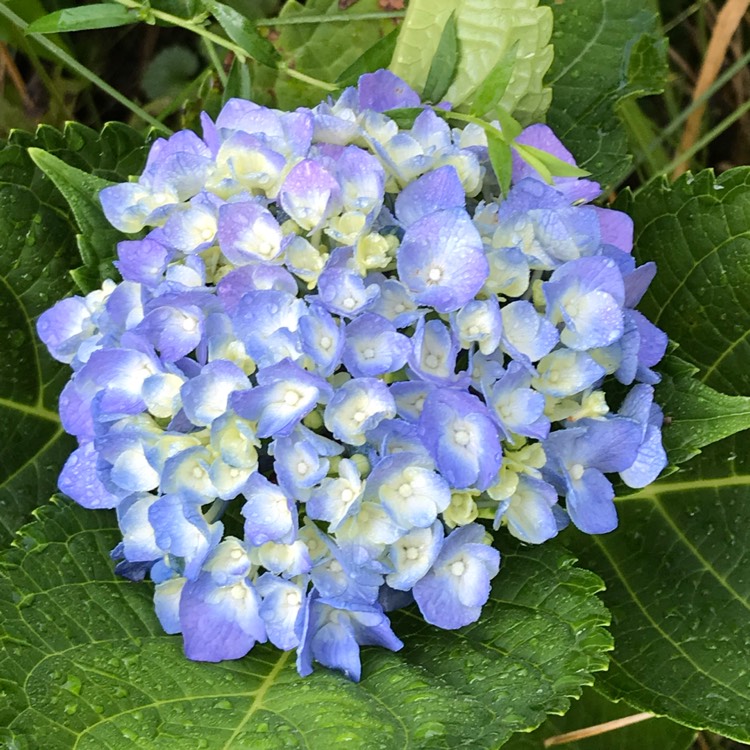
x: 653, y: 491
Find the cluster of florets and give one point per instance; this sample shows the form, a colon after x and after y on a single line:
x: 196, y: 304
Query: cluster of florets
x: 333, y: 352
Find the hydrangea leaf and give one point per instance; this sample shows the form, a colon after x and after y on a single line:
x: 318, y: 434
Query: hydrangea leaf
x: 37, y: 249
x: 487, y: 29
x: 324, y: 50
x: 697, y: 232
x: 675, y: 567
x: 697, y: 415
x: 593, y: 709
x: 83, y: 662
x: 678, y: 588
x: 606, y: 52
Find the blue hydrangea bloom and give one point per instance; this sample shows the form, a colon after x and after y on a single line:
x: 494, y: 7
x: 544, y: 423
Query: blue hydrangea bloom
x: 333, y: 328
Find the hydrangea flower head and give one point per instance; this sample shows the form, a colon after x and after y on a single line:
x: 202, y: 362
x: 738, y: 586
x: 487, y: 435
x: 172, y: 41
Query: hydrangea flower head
x: 334, y: 355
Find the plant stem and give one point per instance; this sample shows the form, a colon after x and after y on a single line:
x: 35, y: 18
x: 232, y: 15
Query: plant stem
x: 292, y: 73
x: 331, y: 18
x: 72, y: 64
x: 214, y: 58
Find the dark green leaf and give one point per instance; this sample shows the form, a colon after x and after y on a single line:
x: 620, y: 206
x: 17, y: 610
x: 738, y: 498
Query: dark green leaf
x: 679, y: 591
x: 697, y: 232
x: 554, y: 166
x: 84, y: 663
x: 606, y: 51
x: 83, y: 18
x: 241, y: 31
x: 593, y: 709
x: 501, y: 158
x: 376, y: 57
x: 170, y: 70
x: 696, y: 414
x: 405, y: 116
x: 238, y: 81
x: 37, y: 250
x: 493, y: 88
x: 323, y: 50
x: 97, y: 237
x: 444, y: 63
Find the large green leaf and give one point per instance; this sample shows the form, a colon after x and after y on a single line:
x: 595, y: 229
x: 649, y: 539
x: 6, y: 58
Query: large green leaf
x: 698, y: 232
x: 676, y: 567
x: 84, y: 664
x: 679, y: 591
x: 487, y: 30
x: 323, y: 50
x: 594, y: 709
x: 606, y: 52
x: 37, y: 251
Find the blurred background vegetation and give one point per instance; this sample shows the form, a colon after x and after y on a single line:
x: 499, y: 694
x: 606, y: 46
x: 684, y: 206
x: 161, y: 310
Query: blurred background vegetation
x: 170, y: 73
x: 160, y: 72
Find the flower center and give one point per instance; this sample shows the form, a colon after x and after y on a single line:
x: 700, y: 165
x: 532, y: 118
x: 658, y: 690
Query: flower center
x: 405, y: 490
x: 291, y: 398
x: 347, y: 495
x: 576, y: 471
x: 461, y: 437
x: 238, y: 591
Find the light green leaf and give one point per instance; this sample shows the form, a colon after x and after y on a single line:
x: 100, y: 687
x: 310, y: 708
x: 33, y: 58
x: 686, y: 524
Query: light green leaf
x: 241, y: 30
x: 698, y: 232
x: 376, y: 57
x: 37, y: 249
x: 84, y: 18
x: 487, y: 29
x: 84, y: 664
x: 509, y: 125
x: 678, y: 588
x: 696, y: 414
x: 606, y: 52
x: 593, y: 709
x: 553, y: 165
x: 444, y: 62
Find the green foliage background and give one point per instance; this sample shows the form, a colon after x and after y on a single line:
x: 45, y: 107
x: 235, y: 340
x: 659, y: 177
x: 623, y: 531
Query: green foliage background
x: 83, y: 662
